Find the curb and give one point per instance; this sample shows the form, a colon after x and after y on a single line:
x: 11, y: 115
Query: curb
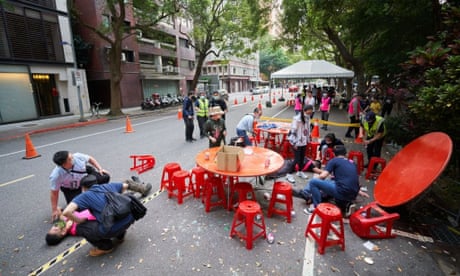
x: 49, y: 129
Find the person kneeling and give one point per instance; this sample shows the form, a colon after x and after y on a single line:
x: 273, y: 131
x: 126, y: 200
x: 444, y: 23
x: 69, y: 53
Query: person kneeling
x: 94, y: 199
x: 344, y: 187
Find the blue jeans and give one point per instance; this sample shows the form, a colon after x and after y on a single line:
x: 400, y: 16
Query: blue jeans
x: 242, y: 133
x: 316, y: 185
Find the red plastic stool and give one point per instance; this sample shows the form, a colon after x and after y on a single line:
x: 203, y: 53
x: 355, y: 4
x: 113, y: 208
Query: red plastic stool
x: 312, y: 150
x: 198, y: 176
x: 214, y: 187
x: 328, y: 155
x: 247, y: 213
x: 328, y: 213
x: 373, y: 222
x: 142, y: 163
x: 372, y: 164
x: 166, y: 177
x: 181, y: 186
x: 282, y: 193
x: 244, y: 191
x: 358, y: 158
x: 286, y: 150
x: 270, y: 141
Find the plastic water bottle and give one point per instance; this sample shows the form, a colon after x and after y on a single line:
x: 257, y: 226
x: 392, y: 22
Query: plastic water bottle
x: 270, y: 238
x: 267, y: 162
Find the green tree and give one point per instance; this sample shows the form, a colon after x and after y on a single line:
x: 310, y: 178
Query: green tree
x: 224, y: 28
x: 368, y: 36
x: 432, y: 77
x: 271, y: 58
x: 147, y: 13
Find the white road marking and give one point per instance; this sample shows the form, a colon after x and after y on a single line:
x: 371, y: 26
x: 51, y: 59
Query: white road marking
x: 17, y: 180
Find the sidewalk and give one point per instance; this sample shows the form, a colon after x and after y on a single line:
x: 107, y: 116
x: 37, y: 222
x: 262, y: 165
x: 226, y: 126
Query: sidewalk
x: 18, y: 130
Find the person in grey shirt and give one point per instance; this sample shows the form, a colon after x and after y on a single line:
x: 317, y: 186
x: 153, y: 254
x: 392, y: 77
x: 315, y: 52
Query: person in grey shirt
x: 246, y: 125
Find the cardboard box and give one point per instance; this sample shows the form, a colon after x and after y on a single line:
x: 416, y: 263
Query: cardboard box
x: 229, y: 158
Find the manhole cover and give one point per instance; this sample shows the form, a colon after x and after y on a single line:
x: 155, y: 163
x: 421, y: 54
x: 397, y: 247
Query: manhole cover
x: 29, y: 125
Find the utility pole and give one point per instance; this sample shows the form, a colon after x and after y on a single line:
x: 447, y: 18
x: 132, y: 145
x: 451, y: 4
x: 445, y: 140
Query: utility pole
x: 76, y: 76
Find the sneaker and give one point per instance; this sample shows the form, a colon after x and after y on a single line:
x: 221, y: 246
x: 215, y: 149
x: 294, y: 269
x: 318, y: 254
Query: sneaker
x: 99, y: 252
x: 290, y: 178
x: 302, y: 175
x: 309, y: 210
x: 136, y: 179
x: 351, y: 207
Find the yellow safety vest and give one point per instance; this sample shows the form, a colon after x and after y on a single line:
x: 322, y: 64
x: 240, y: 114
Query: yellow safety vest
x: 375, y: 126
x: 203, y: 105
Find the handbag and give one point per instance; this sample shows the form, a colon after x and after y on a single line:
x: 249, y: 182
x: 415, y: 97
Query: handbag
x: 118, y: 206
x: 138, y: 210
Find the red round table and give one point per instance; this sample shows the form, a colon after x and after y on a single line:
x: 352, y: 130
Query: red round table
x: 413, y: 169
x: 253, y: 163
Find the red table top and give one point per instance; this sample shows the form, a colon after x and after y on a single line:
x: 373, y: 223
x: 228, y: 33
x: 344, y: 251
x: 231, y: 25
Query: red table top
x: 413, y: 169
x: 282, y: 128
x: 253, y: 164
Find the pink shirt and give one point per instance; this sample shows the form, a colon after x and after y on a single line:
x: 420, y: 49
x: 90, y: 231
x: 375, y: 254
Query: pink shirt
x: 83, y: 214
x: 298, y: 104
x: 325, y: 104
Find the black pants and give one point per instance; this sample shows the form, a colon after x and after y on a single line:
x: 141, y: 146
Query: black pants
x: 69, y: 194
x: 201, y: 121
x: 386, y: 109
x: 90, y: 231
x: 189, y: 127
x: 353, y: 120
x: 374, y: 149
x: 299, y: 155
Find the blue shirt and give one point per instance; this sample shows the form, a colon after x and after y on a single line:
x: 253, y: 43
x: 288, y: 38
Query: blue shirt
x: 94, y: 200
x: 345, y: 176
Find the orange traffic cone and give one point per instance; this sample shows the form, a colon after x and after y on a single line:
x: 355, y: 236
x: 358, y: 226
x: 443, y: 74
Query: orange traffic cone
x: 252, y: 98
x: 30, y: 149
x: 235, y: 102
x: 179, y: 114
x: 315, y: 132
x: 259, y: 106
x: 244, y: 100
x: 129, y: 129
x: 274, y: 100
x: 359, y: 139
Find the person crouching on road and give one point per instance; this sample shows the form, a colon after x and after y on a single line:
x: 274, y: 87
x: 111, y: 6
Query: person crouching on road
x: 246, y: 126
x: 70, y: 169
x: 215, y: 127
x: 343, y: 188
x: 93, y: 198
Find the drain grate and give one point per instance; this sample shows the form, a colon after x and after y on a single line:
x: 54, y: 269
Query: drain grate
x: 442, y: 233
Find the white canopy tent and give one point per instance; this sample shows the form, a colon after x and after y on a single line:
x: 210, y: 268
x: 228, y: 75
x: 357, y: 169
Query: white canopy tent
x: 312, y: 69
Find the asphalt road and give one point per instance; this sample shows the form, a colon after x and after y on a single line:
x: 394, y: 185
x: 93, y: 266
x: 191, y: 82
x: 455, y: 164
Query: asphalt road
x: 175, y: 239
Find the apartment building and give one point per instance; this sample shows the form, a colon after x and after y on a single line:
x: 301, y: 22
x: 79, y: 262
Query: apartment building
x: 158, y: 61
x: 37, y: 62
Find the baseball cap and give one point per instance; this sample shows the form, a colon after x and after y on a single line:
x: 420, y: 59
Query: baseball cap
x: 370, y: 116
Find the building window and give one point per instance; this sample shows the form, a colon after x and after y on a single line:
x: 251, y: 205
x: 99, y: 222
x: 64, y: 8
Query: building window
x: 30, y: 34
x: 105, y: 21
x: 127, y: 56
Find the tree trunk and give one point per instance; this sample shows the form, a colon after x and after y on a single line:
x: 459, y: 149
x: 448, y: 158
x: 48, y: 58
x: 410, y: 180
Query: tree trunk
x: 197, y: 75
x: 115, y: 79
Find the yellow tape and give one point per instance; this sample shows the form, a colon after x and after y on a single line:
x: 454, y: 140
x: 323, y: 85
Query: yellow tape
x: 76, y: 246
x: 273, y: 119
